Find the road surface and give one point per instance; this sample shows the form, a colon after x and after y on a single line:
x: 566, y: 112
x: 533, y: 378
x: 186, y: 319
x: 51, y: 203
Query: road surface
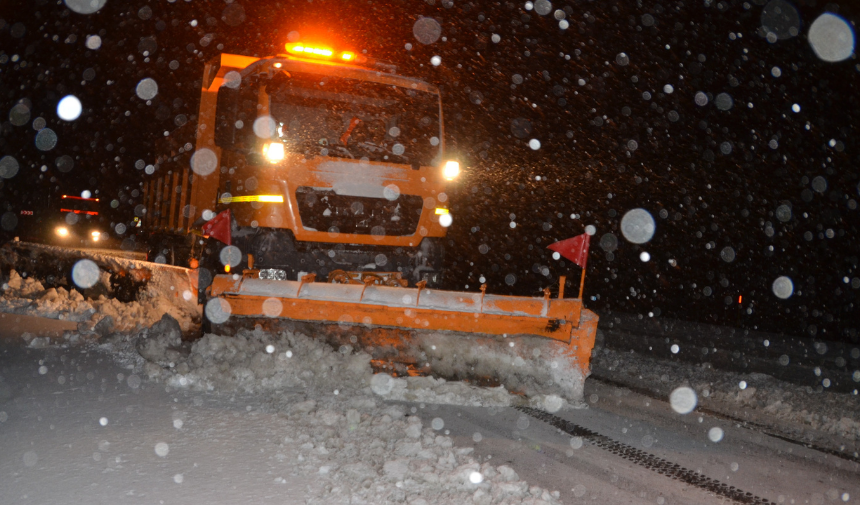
x: 771, y: 469
x: 77, y: 427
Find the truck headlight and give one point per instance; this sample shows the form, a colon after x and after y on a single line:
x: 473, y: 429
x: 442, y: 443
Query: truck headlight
x: 274, y: 152
x: 96, y: 235
x: 62, y: 231
x: 451, y: 170
x: 274, y: 274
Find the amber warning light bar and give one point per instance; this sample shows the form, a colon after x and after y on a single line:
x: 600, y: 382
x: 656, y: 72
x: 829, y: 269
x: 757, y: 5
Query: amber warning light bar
x: 324, y: 53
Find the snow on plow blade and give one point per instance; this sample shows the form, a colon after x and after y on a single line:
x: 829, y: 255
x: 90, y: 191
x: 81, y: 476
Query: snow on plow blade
x: 534, y: 346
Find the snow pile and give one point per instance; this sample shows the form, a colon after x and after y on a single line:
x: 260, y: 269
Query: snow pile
x: 533, y: 366
x: 799, y: 411
x: 364, y: 450
x: 28, y: 296
x: 256, y: 361
x: 434, y: 390
x: 370, y: 453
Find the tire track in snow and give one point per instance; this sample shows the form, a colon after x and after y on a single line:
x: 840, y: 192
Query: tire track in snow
x: 646, y: 460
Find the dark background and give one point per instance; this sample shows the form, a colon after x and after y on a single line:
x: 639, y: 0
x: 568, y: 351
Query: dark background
x: 605, y: 147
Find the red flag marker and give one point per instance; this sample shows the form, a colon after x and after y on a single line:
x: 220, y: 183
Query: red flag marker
x: 219, y: 227
x: 576, y: 250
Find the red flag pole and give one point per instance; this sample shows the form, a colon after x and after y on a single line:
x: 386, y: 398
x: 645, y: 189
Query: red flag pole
x: 582, y: 283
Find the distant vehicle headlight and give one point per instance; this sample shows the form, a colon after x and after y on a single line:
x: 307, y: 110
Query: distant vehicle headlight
x: 96, y: 235
x: 62, y: 231
x: 451, y: 170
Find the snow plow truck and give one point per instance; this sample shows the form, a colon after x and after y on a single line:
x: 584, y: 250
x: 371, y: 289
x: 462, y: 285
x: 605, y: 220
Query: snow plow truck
x: 310, y: 195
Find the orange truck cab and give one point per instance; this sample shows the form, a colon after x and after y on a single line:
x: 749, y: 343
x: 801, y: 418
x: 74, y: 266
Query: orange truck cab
x: 328, y: 162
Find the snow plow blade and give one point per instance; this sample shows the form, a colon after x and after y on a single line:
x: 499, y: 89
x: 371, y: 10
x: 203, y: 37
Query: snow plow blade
x: 533, y: 346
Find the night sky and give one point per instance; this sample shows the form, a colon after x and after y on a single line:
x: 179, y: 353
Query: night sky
x: 716, y: 117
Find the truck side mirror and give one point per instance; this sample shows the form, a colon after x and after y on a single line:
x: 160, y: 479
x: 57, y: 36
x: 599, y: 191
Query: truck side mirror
x: 226, y: 115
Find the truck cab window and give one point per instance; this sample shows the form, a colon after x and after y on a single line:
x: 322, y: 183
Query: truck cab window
x: 351, y: 118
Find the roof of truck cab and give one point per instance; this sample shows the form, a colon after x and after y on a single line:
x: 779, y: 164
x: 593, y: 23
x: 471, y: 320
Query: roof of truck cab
x: 236, y: 62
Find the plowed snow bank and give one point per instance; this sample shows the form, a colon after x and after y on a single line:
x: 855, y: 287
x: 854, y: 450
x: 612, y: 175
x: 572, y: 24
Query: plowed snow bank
x: 799, y: 411
x: 29, y: 296
x: 371, y: 452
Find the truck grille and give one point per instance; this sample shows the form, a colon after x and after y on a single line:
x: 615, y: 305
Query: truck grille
x: 325, y: 210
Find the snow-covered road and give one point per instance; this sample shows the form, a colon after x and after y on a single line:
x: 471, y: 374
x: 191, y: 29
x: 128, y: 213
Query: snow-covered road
x: 79, y: 429
x: 76, y: 426
x: 85, y: 423
x: 767, y: 467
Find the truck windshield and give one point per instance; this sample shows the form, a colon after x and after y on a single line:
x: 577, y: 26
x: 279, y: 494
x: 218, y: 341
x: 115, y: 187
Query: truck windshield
x: 350, y: 118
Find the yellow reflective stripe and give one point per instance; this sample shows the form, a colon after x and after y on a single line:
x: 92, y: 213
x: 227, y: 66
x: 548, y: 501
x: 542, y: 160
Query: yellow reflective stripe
x: 439, y: 211
x: 253, y: 198
x: 271, y: 198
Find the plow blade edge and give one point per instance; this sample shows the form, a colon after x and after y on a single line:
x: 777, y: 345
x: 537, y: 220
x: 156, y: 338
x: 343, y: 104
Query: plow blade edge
x: 530, y: 345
